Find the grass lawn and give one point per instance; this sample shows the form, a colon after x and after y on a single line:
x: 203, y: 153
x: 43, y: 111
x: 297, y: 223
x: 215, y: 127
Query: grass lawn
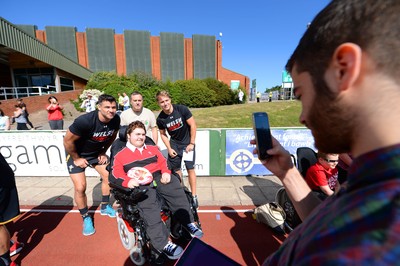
x: 281, y: 114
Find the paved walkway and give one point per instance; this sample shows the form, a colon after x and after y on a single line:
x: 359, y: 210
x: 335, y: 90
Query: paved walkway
x: 212, y: 191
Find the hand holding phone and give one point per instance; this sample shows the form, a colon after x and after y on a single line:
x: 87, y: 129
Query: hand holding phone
x: 262, y: 133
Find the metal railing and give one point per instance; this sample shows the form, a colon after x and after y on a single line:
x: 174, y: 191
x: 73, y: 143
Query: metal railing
x: 20, y: 92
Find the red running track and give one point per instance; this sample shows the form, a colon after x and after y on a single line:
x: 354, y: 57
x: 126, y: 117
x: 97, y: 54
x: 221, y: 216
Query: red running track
x: 53, y: 237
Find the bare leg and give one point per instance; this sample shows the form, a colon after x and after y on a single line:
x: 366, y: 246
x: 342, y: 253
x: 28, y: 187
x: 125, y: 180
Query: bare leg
x: 4, y: 239
x: 105, y: 188
x: 192, y: 181
x: 79, y: 181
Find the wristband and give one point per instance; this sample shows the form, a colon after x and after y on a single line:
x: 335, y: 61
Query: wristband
x: 192, y: 144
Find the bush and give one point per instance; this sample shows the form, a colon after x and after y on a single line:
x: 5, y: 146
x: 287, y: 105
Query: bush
x: 225, y: 96
x: 195, y: 93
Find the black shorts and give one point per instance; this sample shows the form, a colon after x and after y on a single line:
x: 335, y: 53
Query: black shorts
x: 175, y: 163
x: 73, y: 169
x: 9, y: 204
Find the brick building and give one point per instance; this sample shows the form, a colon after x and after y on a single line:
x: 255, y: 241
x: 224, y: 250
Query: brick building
x: 63, y: 59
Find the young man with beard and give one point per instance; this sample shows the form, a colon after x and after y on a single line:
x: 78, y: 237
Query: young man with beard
x: 178, y: 121
x: 86, y: 143
x: 140, y: 113
x: 350, y: 50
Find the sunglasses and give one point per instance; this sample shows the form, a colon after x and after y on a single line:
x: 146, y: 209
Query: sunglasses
x: 331, y: 161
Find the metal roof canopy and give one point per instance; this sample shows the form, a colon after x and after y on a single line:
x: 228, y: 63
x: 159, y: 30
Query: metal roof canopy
x: 12, y: 37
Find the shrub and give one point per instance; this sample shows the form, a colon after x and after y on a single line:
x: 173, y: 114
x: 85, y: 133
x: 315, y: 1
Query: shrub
x: 225, y: 96
x: 195, y: 93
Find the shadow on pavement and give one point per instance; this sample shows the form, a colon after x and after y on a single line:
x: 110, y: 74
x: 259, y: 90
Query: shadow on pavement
x: 261, y: 191
x: 255, y: 241
x: 30, y: 228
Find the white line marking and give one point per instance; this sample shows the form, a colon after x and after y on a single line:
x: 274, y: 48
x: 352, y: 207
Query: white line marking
x: 98, y: 211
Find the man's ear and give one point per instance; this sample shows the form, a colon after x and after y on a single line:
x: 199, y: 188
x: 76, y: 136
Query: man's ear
x: 347, y: 64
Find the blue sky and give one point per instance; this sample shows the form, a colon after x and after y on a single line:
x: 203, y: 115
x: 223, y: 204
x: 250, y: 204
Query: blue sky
x: 258, y: 36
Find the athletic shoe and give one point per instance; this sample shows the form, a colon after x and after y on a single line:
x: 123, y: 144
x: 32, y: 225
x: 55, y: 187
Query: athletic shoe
x: 195, y: 202
x: 108, y: 210
x: 172, y: 251
x: 88, y: 228
x: 194, y: 230
x: 15, y: 247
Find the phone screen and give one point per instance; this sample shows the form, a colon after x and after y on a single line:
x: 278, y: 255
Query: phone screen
x: 262, y: 133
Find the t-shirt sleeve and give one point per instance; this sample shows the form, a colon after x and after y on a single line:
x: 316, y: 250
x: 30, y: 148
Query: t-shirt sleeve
x: 316, y: 177
x: 80, y: 126
x: 153, y: 122
x: 185, y: 112
x: 160, y: 124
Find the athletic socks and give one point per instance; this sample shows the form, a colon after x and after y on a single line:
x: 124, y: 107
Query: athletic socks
x: 105, y: 200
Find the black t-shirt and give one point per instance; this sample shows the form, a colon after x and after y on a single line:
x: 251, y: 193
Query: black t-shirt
x: 94, y: 134
x: 7, y: 178
x: 176, y: 124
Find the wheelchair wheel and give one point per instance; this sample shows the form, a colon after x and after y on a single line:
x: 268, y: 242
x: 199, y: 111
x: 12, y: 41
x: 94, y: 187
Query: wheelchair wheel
x: 137, y: 256
x: 128, y: 238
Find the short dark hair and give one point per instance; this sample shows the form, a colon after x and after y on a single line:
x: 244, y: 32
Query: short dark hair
x: 52, y: 97
x: 371, y: 24
x: 1, y: 112
x: 106, y: 98
x: 136, y: 93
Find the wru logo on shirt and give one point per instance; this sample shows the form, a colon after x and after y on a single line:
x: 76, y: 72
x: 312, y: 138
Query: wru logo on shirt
x: 174, y: 125
x: 102, y: 136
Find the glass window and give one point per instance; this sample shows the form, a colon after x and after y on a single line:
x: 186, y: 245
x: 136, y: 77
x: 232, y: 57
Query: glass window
x: 66, y: 84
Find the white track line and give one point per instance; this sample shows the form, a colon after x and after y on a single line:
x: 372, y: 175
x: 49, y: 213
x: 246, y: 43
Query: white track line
x: 98, y: 211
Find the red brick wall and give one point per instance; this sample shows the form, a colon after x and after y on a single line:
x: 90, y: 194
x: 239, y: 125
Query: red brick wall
x: 120, y: 56
x: 81, y: 48
x: 156, y: 57
x: 41, y: 35
x: 37, y: 103
x: 188, y: 58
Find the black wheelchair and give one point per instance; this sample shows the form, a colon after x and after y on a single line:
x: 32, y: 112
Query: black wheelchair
x: 132, y: 227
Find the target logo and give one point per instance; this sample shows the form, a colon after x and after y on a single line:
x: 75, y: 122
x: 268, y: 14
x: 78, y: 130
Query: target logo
x: 241, y: 161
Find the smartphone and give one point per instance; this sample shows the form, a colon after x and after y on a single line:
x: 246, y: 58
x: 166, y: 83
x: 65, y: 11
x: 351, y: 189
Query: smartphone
x: 262, y: 133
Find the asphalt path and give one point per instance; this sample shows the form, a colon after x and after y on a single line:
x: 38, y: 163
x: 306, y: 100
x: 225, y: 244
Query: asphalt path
x: 52, y: 236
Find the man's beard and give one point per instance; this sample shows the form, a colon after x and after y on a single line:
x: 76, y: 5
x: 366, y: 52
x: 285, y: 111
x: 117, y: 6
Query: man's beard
x: 332, y: 124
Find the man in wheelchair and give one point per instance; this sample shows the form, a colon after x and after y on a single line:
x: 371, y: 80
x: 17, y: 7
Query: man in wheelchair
x: 144, y: 166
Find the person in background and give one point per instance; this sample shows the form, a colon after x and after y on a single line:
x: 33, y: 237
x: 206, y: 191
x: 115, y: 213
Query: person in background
x: 55, y: 115
x: 350, y: 49
x: 120, y: 102
x: 179, y: 122
x: 270, y: 96
x: 86, y: 143
x: 240, y: 95
x: 21, y: 103
x: 20, y: 118
x: 258, y: 96
x: 140, y: 113
x: 4, y: 121
x: 126, y: 101
x: 9, y: 211
x: 89, y: 104
x: 323, y: 175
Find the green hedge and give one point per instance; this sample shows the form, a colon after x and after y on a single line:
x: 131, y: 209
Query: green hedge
x: 192, y: 93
